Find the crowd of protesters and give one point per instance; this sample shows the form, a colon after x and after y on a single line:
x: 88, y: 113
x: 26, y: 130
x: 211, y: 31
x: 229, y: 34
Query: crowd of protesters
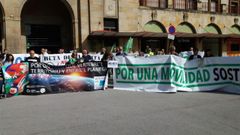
x: 193, y: 53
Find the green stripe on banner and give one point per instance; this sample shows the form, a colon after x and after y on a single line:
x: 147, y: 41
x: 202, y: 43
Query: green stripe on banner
x: 172, y: 64
x: 186, y: 86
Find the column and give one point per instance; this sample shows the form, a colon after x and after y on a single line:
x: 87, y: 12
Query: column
x: 15, y: 41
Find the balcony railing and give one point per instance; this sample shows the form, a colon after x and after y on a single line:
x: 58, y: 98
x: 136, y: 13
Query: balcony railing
x: 213, y: 6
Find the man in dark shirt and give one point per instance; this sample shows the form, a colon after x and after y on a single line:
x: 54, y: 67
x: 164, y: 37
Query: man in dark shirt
x: 195, y: 55
x: 32, y: 57
x: 121, y: 52
x: 103, y: 51
x: 208, y: 53
x: 86, y: 57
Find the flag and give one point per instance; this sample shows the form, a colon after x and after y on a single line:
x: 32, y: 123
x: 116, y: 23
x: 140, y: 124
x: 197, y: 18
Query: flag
x: 128, y: 45
x: 114, y: 46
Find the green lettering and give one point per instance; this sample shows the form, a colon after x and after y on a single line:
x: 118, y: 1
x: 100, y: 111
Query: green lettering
x: 191, y: 77
x: 172, y: 72
x: 183, y: 76
x: 124, y: 73
x: 147, y: 73
x: 199, y: 76
x: 165, y: 74
x: 117, y: 72
x: 139, y: 74
x: 154, y: 74
x: 206, y: 75
x: 186, y: 77
x: 130, y: 74
x: 179, y: 74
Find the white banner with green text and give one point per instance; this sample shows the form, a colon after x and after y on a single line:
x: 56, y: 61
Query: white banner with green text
x: 171, y: 74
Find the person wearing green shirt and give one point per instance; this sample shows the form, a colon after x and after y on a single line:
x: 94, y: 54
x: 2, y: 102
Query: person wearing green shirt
x: 73, y: 58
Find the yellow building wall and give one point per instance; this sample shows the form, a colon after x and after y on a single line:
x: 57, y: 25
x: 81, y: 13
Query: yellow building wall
x: 132, y: 18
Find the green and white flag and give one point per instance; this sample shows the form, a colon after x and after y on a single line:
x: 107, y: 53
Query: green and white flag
x: 128, y: 46
x: 114, y: 46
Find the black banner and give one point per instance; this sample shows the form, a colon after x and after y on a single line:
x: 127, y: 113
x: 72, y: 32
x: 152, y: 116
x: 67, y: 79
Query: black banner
x: 44, y: 78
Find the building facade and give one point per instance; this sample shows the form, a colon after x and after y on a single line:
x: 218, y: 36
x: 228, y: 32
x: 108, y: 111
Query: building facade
x: 93, y: 24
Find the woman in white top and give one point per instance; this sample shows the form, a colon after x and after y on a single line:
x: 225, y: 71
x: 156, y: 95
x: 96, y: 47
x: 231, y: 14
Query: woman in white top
x: 9, y: 60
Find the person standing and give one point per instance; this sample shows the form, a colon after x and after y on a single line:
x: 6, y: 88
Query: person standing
x: 9, y: 60
x: 147, y: 49
x: 191, y: 51
x: 4, y: 55
x: 103, y: 51
x: 44, y: 52
x: 73, y: 59
x: 61, y: 51
x: 195, y: 55
x: 86, y: 57
x: 208, y: 53
x: 150, y: 52
x: 32, y: 57
x: 172, y: 51
x: 120, y: 52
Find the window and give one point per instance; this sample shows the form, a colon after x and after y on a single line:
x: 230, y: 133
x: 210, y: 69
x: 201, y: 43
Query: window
x: 213, y: 7
x: 223, y: 8
x: 204, y: 6
x: 142, y: 2
x: 233, y: 7
x: 235, y: 47
x: 163, y: 3
x: 154, y: 3
x: 179, y: 4
x: 192, y: 4
x: 110, y: 24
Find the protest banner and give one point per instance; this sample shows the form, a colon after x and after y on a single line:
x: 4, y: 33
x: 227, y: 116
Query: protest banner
x: 172, y: 74
x: 45, y: 78
x: 15, y: 78
x: 18, y: 58
x: 54, y: 59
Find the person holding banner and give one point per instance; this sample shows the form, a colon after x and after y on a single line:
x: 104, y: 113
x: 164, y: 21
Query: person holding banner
x: 73, y: 59
x: 195, y: 55
x: 44, y: 52
x: 208, y: 53
x: 61, y: 51
x: 32, y: 57
x: 86, y: 57
x: 104, y: 50
x: 172, y: 51
x: 120, y: 52
x: 4, y: 55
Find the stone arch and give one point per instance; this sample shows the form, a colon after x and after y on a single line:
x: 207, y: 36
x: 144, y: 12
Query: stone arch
x: 235, y: 29
x: 186, y: 27
x: 65, y: 2
x: 47, y: 24
x: 213, y: 28
x: 154, y: 26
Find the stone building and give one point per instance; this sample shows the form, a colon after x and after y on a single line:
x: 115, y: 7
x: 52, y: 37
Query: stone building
x: 93, y: 24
